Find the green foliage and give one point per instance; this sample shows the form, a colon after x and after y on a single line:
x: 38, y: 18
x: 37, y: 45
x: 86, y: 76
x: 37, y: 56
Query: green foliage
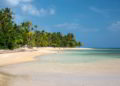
x: 7, y: 29
x: 14, y: 36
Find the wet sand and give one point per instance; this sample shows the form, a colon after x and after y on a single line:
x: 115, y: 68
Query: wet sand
x: 54, y: 74
x: 4, y: 79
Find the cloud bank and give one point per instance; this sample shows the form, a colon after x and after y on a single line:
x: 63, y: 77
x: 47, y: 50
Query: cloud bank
x: 17, y: 2
x: 27, y: 7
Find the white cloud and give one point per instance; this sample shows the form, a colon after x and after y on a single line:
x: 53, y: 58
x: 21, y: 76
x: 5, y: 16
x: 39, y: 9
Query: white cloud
x: 17, y: 2
x: 89, y: 30
x: 115, y: 26
x: 49, y: 11
x: 75, y: 26
x: 52, y: 11
x: 68, y: 26
x: 28, y: 8
x: 99, y: 11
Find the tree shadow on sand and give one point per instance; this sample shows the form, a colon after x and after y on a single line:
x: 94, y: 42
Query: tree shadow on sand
x: 6, y: 78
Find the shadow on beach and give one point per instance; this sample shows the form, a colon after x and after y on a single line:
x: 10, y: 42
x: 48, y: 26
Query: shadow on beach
x: 5, y: 79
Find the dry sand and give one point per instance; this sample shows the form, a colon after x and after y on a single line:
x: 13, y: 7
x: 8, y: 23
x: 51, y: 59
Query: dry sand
x: 8, y: 57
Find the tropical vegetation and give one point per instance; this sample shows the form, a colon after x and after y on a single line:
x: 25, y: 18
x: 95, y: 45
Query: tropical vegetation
x: 13, y: 35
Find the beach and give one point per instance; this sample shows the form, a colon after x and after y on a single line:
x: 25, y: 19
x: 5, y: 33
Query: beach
x: 59, y: 43
x: 32, y: 72
x: 8, y: 57
x: 22, y: 55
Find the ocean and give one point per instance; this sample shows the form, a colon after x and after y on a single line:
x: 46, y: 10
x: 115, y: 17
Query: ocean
x: 81, y: 56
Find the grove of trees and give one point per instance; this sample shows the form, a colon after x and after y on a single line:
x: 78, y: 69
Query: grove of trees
x: 14, y: 36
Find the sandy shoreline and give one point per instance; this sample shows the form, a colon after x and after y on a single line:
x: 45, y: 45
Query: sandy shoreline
x: 21, y: 55
x: 27, y: 55
x: 8, y: 57
x: 37, y: 74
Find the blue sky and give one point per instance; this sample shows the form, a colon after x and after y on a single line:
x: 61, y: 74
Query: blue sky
x: 96, y: 23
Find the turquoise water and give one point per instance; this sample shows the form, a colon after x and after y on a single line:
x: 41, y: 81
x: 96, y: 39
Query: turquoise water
x: 82, y: 56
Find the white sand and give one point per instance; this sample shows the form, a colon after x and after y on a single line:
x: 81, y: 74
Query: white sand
x: 55, y: 74
x: 104, y: 73
x: 26, y: 55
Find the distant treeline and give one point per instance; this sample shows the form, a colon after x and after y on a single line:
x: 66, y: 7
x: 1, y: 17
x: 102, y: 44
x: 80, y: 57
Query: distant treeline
x: 14, y: 36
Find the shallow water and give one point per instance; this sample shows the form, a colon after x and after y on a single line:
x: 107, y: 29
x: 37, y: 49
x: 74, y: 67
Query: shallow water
x: 53, y: 70
x: 82, y: 56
